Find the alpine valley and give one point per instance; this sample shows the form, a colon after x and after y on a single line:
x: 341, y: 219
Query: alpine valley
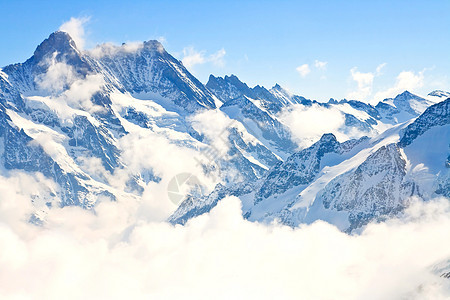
x: 114, y: 122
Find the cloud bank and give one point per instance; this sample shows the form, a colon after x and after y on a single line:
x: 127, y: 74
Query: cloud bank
x: 119, y: 253
x: 299, y: 119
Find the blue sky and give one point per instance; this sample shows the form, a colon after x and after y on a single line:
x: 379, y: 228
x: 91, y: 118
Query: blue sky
x: 318, y: 49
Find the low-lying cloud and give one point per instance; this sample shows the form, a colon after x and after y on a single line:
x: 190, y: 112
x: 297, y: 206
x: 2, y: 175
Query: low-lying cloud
x: 326, y: 120
x: 118, y: 253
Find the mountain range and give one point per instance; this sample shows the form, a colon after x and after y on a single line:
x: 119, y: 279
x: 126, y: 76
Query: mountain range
x: 83, y: 119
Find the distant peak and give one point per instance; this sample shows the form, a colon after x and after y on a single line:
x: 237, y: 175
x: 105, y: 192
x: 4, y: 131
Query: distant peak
x: 328, y: 137
x: 439, y: 93
x: 277, y: 87
x: 154, y: 45
x: 405, y: 95
x: 333, y: 101
x: 232, y: 77
x: 58, y: 41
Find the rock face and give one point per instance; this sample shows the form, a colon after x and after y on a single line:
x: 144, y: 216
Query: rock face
x: 299, y: 169
x: 261, y: 124
x: 272, y: 194
x: 273, y: 101
x: 57, y: 48
x: 19, y: 152
x: 436, y: 115
x: 151, y: 70
x: 375, y: 188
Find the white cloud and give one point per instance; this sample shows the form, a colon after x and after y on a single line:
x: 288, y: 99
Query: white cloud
x: 111, y: 49
x: 303, y: 70
x: 61, y: 82
x: 214, y: 124
x: 406, y: 80
x: 320, y: 64
x: 162, y: 39
x: 118, y: 253
x: 58, y: 76
x: 326, y: 120
x: 75, y: 28
x: 81, y: 91
x: 379, y: 68
x: 365, y: 84
x: 192, y: 57
x: 217, y: 58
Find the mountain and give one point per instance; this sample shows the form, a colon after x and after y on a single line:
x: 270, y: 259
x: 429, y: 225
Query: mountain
x: 58, y: 47
x: 273, y: 100
x: 268, y: 129
x: 351, y: 183
x: 19, y: 151
x: 278, y: 188
x: 251, y: 105
x: 149, y: 71
x: 438, y: 96
x: 256, y: 109
x: 402, y: 108
x: 68, y: 112
x: 359, y: 118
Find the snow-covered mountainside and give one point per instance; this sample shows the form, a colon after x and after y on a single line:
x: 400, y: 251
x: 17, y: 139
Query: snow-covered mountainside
x: 438, y: 96
x: 148, y: 70
x: 74, y: 116
x: 273, y: 100
x: 350, y: 183
x: 403, y: 107
x: 249, y: 104
x: 121, y: 121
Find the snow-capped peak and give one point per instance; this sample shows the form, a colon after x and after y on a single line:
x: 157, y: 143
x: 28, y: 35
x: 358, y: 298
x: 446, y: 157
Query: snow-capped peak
x: 58, y: 41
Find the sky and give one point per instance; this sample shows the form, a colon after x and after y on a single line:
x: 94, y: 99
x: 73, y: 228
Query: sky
x: 366, y: 50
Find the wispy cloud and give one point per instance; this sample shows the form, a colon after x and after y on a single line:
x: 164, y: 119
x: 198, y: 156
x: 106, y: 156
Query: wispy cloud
x: 406, y: 80
x: 303, y: 70
x: 379, y: 69
x: 192, y: 57
x: 364, y: 82
x: 322, y: 65
x: 75, y: 28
